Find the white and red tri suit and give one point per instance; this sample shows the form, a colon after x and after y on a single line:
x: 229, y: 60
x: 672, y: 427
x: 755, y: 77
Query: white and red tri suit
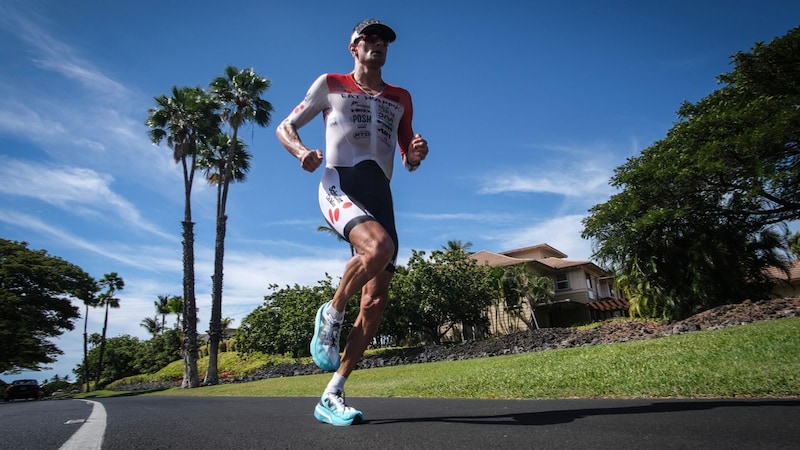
x: 361, y: 134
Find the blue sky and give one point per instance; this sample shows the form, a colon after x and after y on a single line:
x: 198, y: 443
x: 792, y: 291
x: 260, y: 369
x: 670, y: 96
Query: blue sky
x: 527, y: 107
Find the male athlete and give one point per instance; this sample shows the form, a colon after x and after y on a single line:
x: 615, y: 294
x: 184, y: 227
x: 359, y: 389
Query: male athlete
x: 365, y: 119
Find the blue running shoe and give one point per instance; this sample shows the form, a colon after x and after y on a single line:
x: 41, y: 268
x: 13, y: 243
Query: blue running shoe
x: 332, y: 409
x: 325, y: 343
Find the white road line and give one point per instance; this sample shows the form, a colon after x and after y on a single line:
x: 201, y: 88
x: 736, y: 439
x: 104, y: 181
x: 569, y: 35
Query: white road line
x: 90, y: 435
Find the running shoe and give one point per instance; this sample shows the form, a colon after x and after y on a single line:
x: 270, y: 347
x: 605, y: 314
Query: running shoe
x: 333, y: 410
x: 325, y: 343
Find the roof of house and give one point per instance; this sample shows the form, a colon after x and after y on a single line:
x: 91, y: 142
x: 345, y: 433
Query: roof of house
x: 543, y: 247
x: 794, y: 272
x: 496, y: 259
x: 503, y: 259
x: 560, y: 263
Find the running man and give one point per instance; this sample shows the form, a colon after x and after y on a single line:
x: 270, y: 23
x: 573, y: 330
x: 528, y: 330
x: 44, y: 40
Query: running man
x: 365, y: 119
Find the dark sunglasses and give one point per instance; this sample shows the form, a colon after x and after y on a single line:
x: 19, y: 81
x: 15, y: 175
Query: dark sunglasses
x: 372, y: 38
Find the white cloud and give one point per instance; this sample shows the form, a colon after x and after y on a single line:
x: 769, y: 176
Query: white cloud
x: 465, y: 217
x: 574, y: 172
x: 33, y: 224
x: 562, y: 233
x: 54, y: 55
x: 559, y: 178
x: 73, y: 189
x: 17, y: 119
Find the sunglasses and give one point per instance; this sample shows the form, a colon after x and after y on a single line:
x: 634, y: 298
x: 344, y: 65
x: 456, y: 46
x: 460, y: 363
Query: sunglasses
x: 372, y: 38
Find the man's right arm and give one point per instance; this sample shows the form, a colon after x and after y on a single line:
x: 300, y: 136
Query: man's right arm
x: 314, y: 102
x: 287, y: 134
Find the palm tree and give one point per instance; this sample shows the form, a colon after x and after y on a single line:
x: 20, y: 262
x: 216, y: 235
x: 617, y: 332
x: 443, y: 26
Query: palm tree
x: 151, y: 325
x: 540, y: 289
x: 186, y: 120
x: 93, y: 302
x: 113, y: 283
x: 458, y: 246
x: 339, y: 237
x: 175, y: 305
x: 239, y: 94
x: 213, y: 163
x: 162, y: 308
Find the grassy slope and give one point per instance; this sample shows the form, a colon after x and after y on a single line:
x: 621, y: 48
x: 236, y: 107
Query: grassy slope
x: 757, y: 360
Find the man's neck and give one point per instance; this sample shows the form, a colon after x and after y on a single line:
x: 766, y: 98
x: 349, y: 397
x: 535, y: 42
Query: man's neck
x: 368, y: 77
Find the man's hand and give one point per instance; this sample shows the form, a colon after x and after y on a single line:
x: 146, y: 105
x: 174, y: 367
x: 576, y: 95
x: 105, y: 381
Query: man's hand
x: 311, y: 160
x: 417, y: 151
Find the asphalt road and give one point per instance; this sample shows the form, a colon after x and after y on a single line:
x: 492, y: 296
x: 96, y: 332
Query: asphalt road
x: 162, y: 422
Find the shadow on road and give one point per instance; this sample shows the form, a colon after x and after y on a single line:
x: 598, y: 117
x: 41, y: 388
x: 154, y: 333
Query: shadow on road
x: 570, y: 415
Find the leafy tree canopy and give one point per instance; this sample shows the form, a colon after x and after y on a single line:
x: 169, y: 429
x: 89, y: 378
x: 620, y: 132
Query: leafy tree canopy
x: 282, y: 324
x: 36, y: 290
x: 446, y: 289
x: 700, y: 214
x: 124, y: 356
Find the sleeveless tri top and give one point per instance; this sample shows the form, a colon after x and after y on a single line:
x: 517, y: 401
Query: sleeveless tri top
x: 358, y: 126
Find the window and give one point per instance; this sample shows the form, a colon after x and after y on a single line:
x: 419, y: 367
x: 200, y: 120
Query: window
x: 562, y: 281
x: 588, y: 281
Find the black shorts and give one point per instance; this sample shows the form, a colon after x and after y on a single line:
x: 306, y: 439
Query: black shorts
x: 349, y: 196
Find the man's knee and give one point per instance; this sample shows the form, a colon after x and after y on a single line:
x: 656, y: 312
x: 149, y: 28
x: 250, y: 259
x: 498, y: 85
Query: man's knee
x: 379, y: 249
x: 385, y: 250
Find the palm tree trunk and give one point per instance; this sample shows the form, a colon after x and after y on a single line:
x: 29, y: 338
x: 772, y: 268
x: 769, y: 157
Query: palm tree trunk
x: 191, y: 379
x: 86, y: 348
x: 215, y: 328
x: 102, y: 349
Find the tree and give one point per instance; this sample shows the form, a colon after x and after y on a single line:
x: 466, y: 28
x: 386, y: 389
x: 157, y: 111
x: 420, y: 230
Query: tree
x: 458, y: 246
x: 280, y: 325
x: 794, y: 245
x: 123, y: 354
x: 159, y: 351
x: 239, y: 94
x: 175, y: 305
x: 36, y: 290
x: 215, y: 162
x: 700, y: 214
x: 540, y: 290
x: 513, y: 284
x: 339, y: 237
x: 162, y: 309
x: 93, y: 302
x: 187, y: 120
x: 112, y: 283
x: 151, y: 325
x: 448, y: 288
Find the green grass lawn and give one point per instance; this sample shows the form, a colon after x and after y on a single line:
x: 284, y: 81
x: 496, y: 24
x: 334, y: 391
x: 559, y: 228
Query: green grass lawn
x: 757, y: 360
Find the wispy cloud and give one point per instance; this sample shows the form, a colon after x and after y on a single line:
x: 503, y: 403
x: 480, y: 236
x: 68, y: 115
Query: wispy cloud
x: 75, y: 190
x: 81, y: 114
x: 18, y: 119
x: 38, y: 226
x: 561, y: 179
x: 54, y: 55
x: 563, y: 233
x: 465, y: 217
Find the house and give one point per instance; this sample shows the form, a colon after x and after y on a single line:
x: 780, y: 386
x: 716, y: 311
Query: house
x: 583, y: 292
x: 786, y: 285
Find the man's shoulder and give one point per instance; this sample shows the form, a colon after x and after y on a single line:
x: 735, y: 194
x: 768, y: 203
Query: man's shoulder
x: 396, y: 93
x: 337, y: 76
x: 395, y: 87
x: 339, y: 82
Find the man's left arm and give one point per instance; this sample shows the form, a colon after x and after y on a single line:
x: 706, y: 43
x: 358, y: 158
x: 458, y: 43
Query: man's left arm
x: 416, y: 152
x: 413, y: 147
